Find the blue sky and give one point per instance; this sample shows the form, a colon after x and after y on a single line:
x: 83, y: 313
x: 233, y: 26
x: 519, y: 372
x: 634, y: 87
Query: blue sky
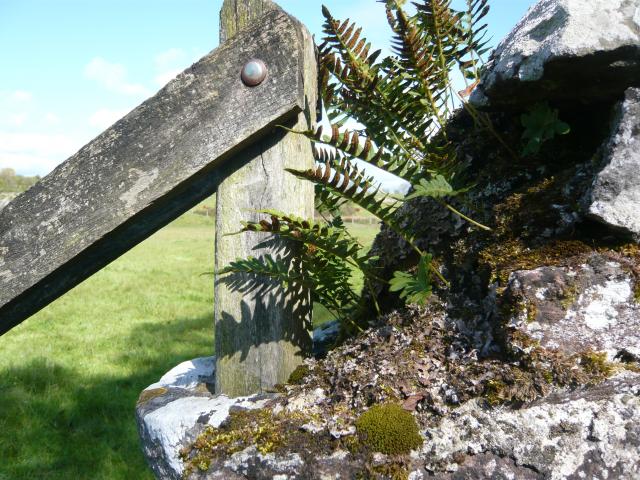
x: 70, y: 68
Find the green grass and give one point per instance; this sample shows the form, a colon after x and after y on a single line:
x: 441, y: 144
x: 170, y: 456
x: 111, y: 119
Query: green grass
x: 70, y: 376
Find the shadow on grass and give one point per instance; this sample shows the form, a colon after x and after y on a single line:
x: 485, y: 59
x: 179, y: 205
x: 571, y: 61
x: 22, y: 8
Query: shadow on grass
x: 58, y: 422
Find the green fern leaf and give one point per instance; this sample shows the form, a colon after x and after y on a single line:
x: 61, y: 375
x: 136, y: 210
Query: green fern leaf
x: 436, y: 187
x: 414, y: 288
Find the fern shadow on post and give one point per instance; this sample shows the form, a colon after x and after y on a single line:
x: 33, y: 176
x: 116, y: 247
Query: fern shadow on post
x: 256, y: 284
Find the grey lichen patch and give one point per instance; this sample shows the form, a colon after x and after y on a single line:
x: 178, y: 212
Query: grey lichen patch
x: 144, y: 180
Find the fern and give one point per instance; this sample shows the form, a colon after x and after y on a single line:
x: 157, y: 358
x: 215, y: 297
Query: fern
x: 401, y: 103
x: 414, y: 288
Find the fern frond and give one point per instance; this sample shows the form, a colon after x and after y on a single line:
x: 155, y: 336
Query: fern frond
x: 266, y: 266
x: 414, y: 288
x: 364, y: 85
x: 475, y: 38
x: 351, y: 183
x: 416, y: 57
x: 351, y: 143
x: 326, y: 280
x: 325, y: 237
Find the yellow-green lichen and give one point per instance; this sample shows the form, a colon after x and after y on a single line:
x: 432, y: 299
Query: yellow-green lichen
x: 388, y: 429
x: 390, y: 471
x: 632, y: 367
x: 148, y: 395
x: 242, y: 429
x: 569, y: 296
x: 262, y: 429
x: 530, y: 371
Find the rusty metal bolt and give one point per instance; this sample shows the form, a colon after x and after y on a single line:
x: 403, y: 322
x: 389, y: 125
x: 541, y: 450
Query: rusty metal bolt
x: 254, y: 72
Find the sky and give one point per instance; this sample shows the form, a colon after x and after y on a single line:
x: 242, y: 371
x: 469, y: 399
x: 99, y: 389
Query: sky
x: 71, y: 68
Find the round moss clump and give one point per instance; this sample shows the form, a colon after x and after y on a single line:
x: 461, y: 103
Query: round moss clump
x: 388, y: 429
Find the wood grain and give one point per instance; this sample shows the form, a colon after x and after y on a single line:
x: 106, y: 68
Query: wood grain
x: 262, y: 335
x: 148, y: 168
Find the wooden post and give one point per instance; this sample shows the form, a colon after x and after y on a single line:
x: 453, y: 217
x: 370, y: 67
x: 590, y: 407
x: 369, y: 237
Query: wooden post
x: 261, y: 337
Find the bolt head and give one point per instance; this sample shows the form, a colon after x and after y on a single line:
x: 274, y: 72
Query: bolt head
x: 254, y: 72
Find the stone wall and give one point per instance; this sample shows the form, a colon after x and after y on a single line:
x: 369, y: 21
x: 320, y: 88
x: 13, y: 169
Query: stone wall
x: 527, y: 365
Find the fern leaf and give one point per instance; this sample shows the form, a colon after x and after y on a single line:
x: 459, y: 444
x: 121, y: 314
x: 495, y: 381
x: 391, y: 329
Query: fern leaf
x: 436, y: 187
x: 414, y: 288
x: 351, y: 183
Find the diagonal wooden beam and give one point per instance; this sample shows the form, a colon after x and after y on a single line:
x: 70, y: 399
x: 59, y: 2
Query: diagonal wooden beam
x: 154, y: 164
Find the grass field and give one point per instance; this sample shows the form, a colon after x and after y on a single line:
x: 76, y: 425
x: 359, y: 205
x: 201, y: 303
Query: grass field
x: 70, y: 375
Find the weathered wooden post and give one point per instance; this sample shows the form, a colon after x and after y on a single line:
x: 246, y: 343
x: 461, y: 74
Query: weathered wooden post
x: 261, y: 337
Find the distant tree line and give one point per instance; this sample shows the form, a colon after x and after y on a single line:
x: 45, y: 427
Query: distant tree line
x: 11, y: 182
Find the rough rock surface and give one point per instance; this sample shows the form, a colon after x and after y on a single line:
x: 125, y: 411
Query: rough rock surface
x: 587, y: 307
x: 308, y: 431
x: 174, y: 411
x: 590, y: 433
x: 615, y: 198
x: 556, y: 39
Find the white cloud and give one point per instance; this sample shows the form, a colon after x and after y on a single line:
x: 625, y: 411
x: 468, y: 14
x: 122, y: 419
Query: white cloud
x: 35, y: 153
x: 18, y: 119
x: 21, y: 96
x: 169, y: 64
x: 106, y: 117
x: 163, y: 78
x: 40, y: 143
x: 15, y: 107
x: 169, y: 59
x: 25, y: 164
x: 51, y: 119
x: 112, y: 76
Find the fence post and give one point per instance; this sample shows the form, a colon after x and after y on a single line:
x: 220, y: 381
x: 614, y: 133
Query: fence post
x: 261, y: 336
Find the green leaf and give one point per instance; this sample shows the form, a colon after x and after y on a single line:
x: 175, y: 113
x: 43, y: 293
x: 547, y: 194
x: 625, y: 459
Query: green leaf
x: 541, y: 124
x: 414, y: 288
x: 436, y: 187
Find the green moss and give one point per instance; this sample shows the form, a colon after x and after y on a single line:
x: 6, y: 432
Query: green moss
x: 631, y: 367
x: 504, y: 257
x: 389, y: 429
x: 391, y: 471
x: 532, y: 312
x: 596, y: 366
x: 267, y: 432
x: 298, y: 375
x: 569, y: 296
x: 242, y: 429
x: 495, y: 392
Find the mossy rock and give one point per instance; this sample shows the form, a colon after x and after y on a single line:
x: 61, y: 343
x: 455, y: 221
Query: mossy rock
x: 389, y: 429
